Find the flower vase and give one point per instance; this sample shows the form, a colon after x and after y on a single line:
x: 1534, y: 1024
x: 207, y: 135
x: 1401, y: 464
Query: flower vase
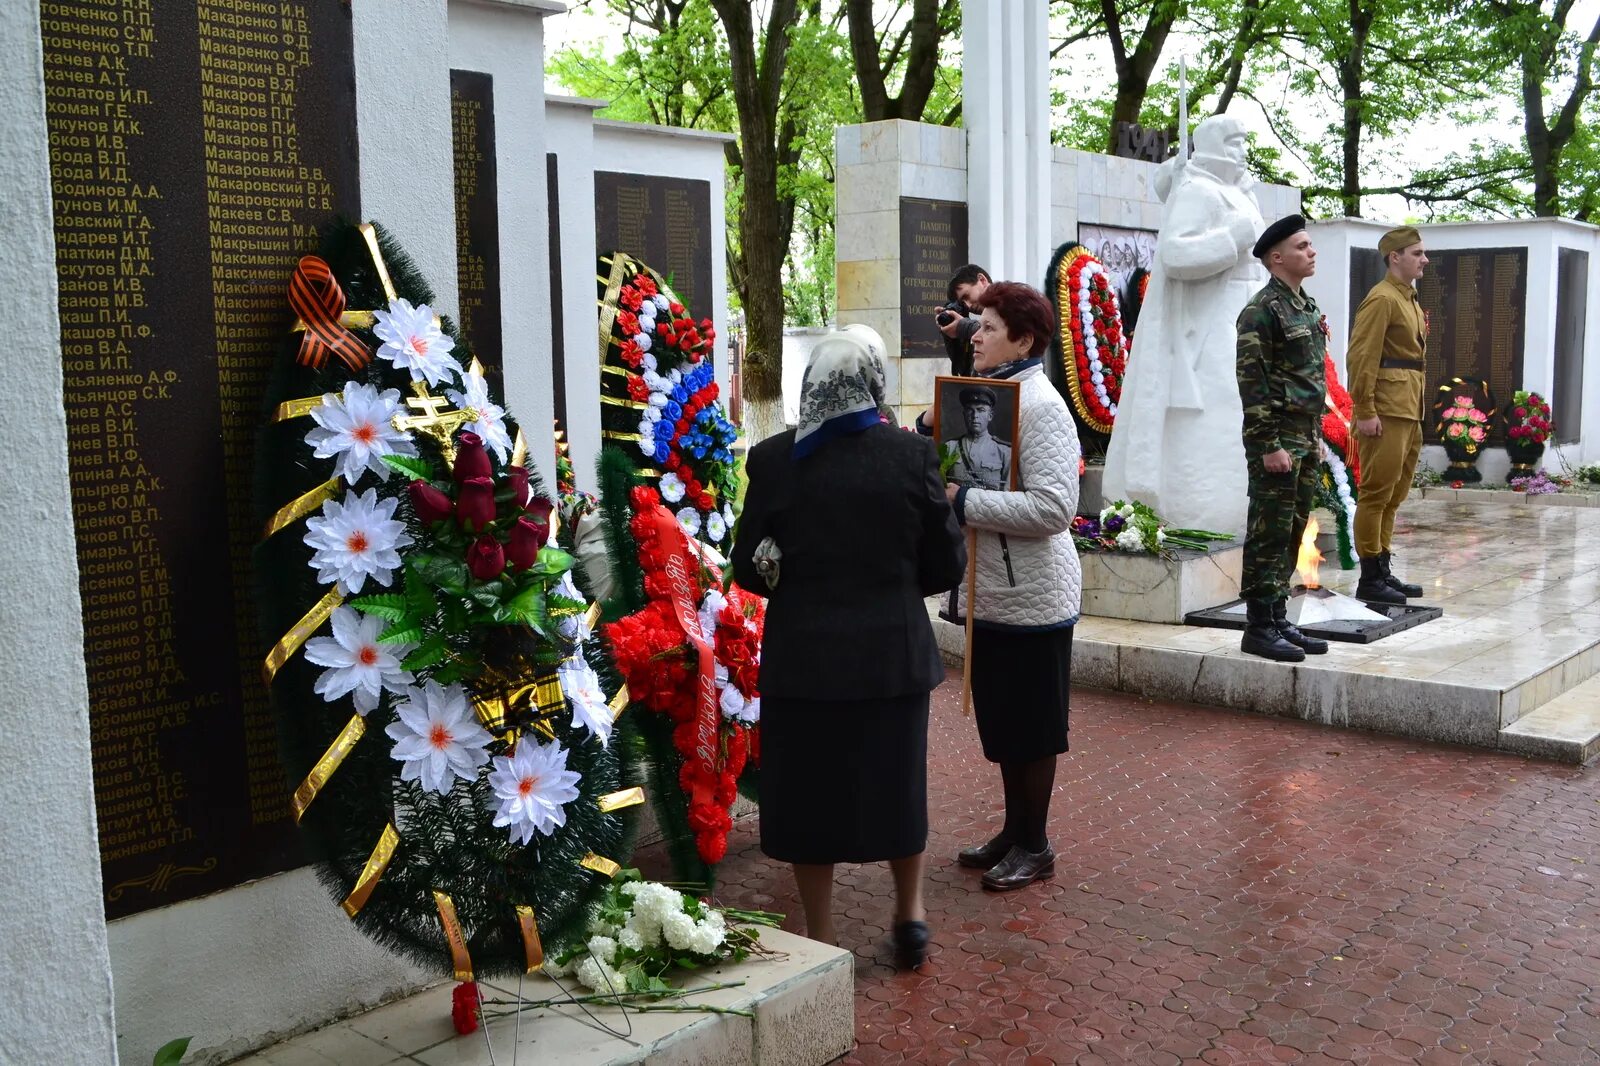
x: 1463, y: 462
x: 1524, y: 458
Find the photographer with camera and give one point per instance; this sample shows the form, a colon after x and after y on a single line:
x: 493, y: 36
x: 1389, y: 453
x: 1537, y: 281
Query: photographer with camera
x: 958, y: 320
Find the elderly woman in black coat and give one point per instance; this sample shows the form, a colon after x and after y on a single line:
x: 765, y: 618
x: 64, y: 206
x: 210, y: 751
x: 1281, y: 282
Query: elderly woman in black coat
x: 846, y: 528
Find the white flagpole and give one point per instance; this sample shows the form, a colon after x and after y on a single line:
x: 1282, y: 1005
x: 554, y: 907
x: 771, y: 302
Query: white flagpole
x: 1183, y: 111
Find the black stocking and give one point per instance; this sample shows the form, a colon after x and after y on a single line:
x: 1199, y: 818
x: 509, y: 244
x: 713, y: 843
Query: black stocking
x: 1027, y: 787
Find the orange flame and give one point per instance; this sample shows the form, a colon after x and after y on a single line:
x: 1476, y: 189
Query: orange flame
x: 1306, y: 568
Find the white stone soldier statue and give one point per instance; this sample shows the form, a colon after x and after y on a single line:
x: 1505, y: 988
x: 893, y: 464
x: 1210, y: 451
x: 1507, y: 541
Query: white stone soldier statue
x: 983, y: 461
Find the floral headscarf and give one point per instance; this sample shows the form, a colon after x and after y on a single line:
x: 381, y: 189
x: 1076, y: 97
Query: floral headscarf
x: 843, y: 388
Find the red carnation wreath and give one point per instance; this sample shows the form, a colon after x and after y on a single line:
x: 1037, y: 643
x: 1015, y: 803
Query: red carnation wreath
x: 1093, y: 348
x: 693, y: 653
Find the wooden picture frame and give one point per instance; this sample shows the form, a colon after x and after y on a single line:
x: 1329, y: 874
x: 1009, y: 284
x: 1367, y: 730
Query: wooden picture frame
x: 984, y: 448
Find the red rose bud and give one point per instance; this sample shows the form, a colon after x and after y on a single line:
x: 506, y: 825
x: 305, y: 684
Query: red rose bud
x: 486, y: 560
x: 517, y: 478
x: 527, y: 537
x: 539, y: 509
x: 471, y: 460
x: 475, y: 509
x: 705, y: 501
x: 430, y: 504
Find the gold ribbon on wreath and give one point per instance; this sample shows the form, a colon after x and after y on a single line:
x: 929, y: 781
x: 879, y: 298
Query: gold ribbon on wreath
x: 298, y: 634
x: 532, y: 948
x: 342, y: 745
x: 298, y: 508
x: 616, y: 801
x: 459, y: 958
x: 600, y: 865
x: 377, y: 862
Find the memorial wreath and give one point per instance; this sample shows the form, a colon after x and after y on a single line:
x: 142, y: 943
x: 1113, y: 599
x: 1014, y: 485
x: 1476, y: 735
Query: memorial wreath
x: 407, y: 562
x: 1089, y: 349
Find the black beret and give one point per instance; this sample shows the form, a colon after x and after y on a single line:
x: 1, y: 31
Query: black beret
x: 1281, y: 230
x: 978, y: 394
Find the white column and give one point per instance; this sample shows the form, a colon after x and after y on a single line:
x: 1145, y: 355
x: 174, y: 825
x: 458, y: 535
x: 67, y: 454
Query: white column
x: 56, y: 1002
x: 1006, y: 110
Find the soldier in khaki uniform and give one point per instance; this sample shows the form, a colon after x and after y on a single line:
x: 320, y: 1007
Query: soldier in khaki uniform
x: 1385, y: 369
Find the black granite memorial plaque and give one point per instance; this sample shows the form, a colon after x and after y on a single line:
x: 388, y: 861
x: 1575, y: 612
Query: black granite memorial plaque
x: 1572, y: 314
x: 664, y: 222
x: 477, y: 214
x: 194, y: 150
x: 933, y: 246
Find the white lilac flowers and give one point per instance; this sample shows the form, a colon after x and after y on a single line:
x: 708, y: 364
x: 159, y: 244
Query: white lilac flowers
x: 438, y: 738
x: 356, y: 539
x: 413, y: 341
x: 356, y: 430
x: 533, y: 786
x: 657, y: 915
x: 357, y: 662
x: 491, y: 422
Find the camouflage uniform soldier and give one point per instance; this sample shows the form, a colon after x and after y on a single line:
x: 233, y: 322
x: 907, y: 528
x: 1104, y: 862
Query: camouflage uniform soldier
x: 1283, y: 389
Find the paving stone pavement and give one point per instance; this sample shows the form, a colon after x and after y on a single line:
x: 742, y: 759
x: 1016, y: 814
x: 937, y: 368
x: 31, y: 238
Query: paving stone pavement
x: 1236, y: 889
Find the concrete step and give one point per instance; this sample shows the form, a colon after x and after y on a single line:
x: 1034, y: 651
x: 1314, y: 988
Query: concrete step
x: 1566, y: 728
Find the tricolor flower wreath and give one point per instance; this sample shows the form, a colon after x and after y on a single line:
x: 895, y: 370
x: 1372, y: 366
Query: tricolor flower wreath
x: 682, y: 427
x: 693, y: 654
x: 407, y: 563
x: 1090, y: 349
x: 1341, y: 471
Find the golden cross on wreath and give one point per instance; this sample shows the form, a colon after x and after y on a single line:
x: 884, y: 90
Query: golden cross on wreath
x: 431, y: 421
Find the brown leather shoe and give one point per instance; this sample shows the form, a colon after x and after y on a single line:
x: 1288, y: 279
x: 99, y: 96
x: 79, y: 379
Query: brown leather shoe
x: 1021, y: 868
x: 984, y: 856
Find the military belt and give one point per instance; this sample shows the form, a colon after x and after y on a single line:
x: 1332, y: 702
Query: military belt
x: 1395, y: 362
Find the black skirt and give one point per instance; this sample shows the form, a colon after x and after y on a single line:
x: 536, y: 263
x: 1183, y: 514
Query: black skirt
x: 844, y: 781
x: 1020, y: 689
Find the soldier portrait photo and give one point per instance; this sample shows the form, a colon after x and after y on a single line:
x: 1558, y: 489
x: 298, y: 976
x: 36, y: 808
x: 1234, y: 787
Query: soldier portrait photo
x: 975, y: 423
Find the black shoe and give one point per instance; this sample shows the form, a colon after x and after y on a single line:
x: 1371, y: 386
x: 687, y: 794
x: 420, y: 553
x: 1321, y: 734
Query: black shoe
x: 1406, y: 589
x: 1290, y: 632
x: 1261, y: 636
x: 1372, y: 587
x: 910, y: 944
x: 985, y: 856
x: 1020, y: 868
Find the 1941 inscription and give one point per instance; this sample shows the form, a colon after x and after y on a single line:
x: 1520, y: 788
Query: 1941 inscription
x: 194, y: 149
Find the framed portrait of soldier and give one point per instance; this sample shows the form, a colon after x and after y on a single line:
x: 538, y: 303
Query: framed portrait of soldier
x: 976, y: 424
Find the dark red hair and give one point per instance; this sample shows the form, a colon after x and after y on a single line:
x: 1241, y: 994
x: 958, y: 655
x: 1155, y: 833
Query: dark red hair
x: 1025, y: 312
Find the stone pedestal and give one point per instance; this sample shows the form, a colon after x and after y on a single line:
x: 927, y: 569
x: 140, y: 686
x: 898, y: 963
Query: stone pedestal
x: 1148, y: 588
x: 1091, y: 497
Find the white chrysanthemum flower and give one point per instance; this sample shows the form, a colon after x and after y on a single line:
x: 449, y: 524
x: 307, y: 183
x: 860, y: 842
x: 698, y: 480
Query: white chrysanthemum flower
x: 356, y: 539
x: 652, y: 415
x: 689, y: 519
x: 656, y: 383
x: 648, y: 363
x: 643, y: 341
x: 589, y: 708
x: 491, y: 421
x: 675, y: 376
x: 716, y: 528
x: 661, y: 302
x: 356, y: 430
x: 437, y: 737
x: 533, y: 786
x: 356, y: 661
x: 412, y: 341
x: 672, y: 487
x: 752, y: 711
x: 1129, y: 540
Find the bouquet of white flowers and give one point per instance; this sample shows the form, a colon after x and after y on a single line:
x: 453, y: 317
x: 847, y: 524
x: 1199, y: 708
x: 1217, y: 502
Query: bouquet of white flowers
x: 1134, y: 527
x: 642, y: 930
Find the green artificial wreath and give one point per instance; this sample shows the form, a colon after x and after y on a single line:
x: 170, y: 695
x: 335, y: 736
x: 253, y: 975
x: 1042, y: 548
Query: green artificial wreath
x: 458, y: 626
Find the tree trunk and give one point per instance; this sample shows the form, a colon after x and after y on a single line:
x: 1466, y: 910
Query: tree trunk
x: 1351, y: 71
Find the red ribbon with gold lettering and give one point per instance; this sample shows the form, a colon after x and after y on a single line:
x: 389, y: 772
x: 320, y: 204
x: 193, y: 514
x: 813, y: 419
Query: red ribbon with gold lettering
x: 316, y: 297
x: 671, y: 538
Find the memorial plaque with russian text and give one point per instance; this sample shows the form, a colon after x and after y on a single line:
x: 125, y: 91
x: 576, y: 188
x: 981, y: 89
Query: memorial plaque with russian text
x: 933, y: 246
x: 477, y: 213
x: 194, y: 150
x: 664, y: 222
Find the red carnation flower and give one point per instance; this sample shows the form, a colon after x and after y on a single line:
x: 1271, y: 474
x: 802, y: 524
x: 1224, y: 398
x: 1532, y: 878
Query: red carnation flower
x: 645, y: 284
x: 628, y: 323
x: 464, y: 1007
x: 631, y: 298
x: 637, y: 389
x: 632, y: 354
x: 705, y: 501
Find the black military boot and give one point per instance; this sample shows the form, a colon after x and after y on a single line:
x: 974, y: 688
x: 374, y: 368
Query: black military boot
x: 1405, y: 589
x: 1290, y: 632
x: 1372, y: 587
x: 1261, y: 636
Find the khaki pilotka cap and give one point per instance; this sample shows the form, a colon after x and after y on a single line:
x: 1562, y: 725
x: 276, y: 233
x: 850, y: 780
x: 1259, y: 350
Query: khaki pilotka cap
x: 1398, y: 239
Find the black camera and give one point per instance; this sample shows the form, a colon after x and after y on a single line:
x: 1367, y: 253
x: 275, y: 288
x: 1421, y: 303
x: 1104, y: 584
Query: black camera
x: 950, y: 312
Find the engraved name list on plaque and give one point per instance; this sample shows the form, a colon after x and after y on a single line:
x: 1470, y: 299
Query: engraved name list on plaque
x: 194, y: 150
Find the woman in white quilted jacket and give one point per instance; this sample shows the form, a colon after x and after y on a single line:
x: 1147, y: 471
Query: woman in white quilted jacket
x: 1028, y: 589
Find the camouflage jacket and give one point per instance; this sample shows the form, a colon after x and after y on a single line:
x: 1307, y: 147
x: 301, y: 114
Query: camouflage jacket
x: 1282, y: 344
